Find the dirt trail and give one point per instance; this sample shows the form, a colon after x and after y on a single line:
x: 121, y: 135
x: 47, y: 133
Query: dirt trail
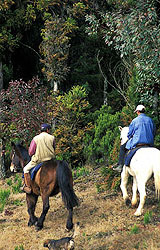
x: 105, y: 222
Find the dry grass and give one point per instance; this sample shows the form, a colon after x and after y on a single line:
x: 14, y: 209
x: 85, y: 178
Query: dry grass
x: 105, y: 222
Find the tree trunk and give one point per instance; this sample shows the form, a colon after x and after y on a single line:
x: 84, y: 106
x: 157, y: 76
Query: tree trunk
x: 105, y: 102
x: 1, y: 76
x: 2, y: 155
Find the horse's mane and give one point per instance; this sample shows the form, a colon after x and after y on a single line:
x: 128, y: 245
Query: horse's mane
x: 23, y: 151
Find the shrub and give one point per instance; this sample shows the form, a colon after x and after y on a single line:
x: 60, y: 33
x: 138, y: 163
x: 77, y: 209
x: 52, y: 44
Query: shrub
x: 23, y: 108
x: 71, y: 115
x: 147, y: 217
x: 99, y: 143
x: 135, y: 229
x: 80, y: 171
x: 15, y: 184
x: 4, y: 195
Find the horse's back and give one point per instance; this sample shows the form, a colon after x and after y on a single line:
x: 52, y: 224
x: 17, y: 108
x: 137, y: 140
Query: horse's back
x: 146, y: 158
x: 46, y: 176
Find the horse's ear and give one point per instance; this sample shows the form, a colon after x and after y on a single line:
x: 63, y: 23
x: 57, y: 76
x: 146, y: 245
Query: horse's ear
x: 120, y: 128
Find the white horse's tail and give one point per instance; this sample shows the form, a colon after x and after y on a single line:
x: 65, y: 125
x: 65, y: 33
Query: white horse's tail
x: 156, y: 170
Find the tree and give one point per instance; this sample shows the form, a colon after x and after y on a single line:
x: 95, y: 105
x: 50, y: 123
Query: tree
x: 132, y: 29
x: 59, y: 26
x: 71, y: 115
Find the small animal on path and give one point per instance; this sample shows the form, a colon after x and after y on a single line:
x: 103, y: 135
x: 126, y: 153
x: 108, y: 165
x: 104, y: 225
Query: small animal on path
x: 66, y: 243
x: 53, y: 177
x: 144, y: 163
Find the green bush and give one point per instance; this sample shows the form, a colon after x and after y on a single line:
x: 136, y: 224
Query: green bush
x: 71, y: 114
x: 17, y: 184
x: 99, y: 143
x: 4, y: 195
x: 147, y: 217
x: 80, y: 171
x: 135, y: 229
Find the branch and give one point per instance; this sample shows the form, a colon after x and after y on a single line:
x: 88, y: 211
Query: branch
x: 27, y: 46
x: 113, y: 74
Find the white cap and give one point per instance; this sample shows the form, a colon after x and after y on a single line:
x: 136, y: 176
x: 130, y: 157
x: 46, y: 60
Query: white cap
x: 139, y: 108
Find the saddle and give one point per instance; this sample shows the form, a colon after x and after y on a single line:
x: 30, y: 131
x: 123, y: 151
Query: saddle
x: 131, y: 153
x: 34, y: 170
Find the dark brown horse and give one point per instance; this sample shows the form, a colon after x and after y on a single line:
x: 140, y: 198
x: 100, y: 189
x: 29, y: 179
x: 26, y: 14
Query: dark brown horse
x: 53, y: 177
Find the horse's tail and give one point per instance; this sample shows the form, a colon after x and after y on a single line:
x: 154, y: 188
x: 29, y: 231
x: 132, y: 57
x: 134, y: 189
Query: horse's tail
x: 156, y: 170
x: 65, y: 184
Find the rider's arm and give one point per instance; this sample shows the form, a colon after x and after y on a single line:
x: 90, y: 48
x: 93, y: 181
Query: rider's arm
x: 32, y: 148
x: 131, y: 131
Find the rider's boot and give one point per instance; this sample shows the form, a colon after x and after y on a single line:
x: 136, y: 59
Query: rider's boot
x: 118, y: 167
x: 27, y: 183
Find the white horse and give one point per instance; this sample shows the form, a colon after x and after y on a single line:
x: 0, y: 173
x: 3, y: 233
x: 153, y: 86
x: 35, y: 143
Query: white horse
x: 144, y: 163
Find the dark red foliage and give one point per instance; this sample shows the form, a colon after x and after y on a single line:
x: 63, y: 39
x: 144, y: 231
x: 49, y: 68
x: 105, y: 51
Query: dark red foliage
x: 24, y: 106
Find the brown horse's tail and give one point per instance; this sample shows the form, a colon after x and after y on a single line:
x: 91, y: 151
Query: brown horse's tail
x: 64, y: 176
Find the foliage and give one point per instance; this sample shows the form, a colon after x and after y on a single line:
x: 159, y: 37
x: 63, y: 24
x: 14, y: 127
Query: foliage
x: 56, y: 36
x: 24, y: 108
x: 111, y: 180
x: 135, y: 35
x: 19, y: 247
x: 99, y: 143
x: 79, y: 172
x: 4, y: 195
x: 15, y: 184
x: 135, y: 229
x: 14, y: 18
x: 70, y: 113
x: 147, y: 217
x: 55, y: 48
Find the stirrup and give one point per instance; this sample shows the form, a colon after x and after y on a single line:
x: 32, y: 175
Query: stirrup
x: 118, y: 168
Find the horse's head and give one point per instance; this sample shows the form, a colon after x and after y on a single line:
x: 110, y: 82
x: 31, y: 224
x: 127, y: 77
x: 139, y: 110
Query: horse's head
x: 124, y: 133
x: 19, y: 157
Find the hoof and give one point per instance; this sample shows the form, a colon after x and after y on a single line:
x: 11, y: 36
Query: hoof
x: 37, y: 227
x: 69, y: 227
x: 134, y: 205
x: 31, y: 223
x: 137, y: 213
x: 128, y: 202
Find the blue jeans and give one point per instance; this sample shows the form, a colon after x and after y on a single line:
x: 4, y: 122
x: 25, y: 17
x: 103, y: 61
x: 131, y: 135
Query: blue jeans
x: 122, y: 154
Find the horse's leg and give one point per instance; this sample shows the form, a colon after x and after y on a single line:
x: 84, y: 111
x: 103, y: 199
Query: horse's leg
x: 142, y: 191
x: 39, y: 223
x: 123, y: 186
x: 134, y: 190
x: 31, y: 204
x: 69, y: 224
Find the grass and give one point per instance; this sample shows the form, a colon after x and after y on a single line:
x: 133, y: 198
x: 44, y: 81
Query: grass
x: 4, y: 195
x: 19, y: 247
x: 135, y: 229
x: 147, y: 217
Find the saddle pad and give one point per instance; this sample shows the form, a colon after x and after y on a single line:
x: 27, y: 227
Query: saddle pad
x: 34, y: 170
x: 130, y: 154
